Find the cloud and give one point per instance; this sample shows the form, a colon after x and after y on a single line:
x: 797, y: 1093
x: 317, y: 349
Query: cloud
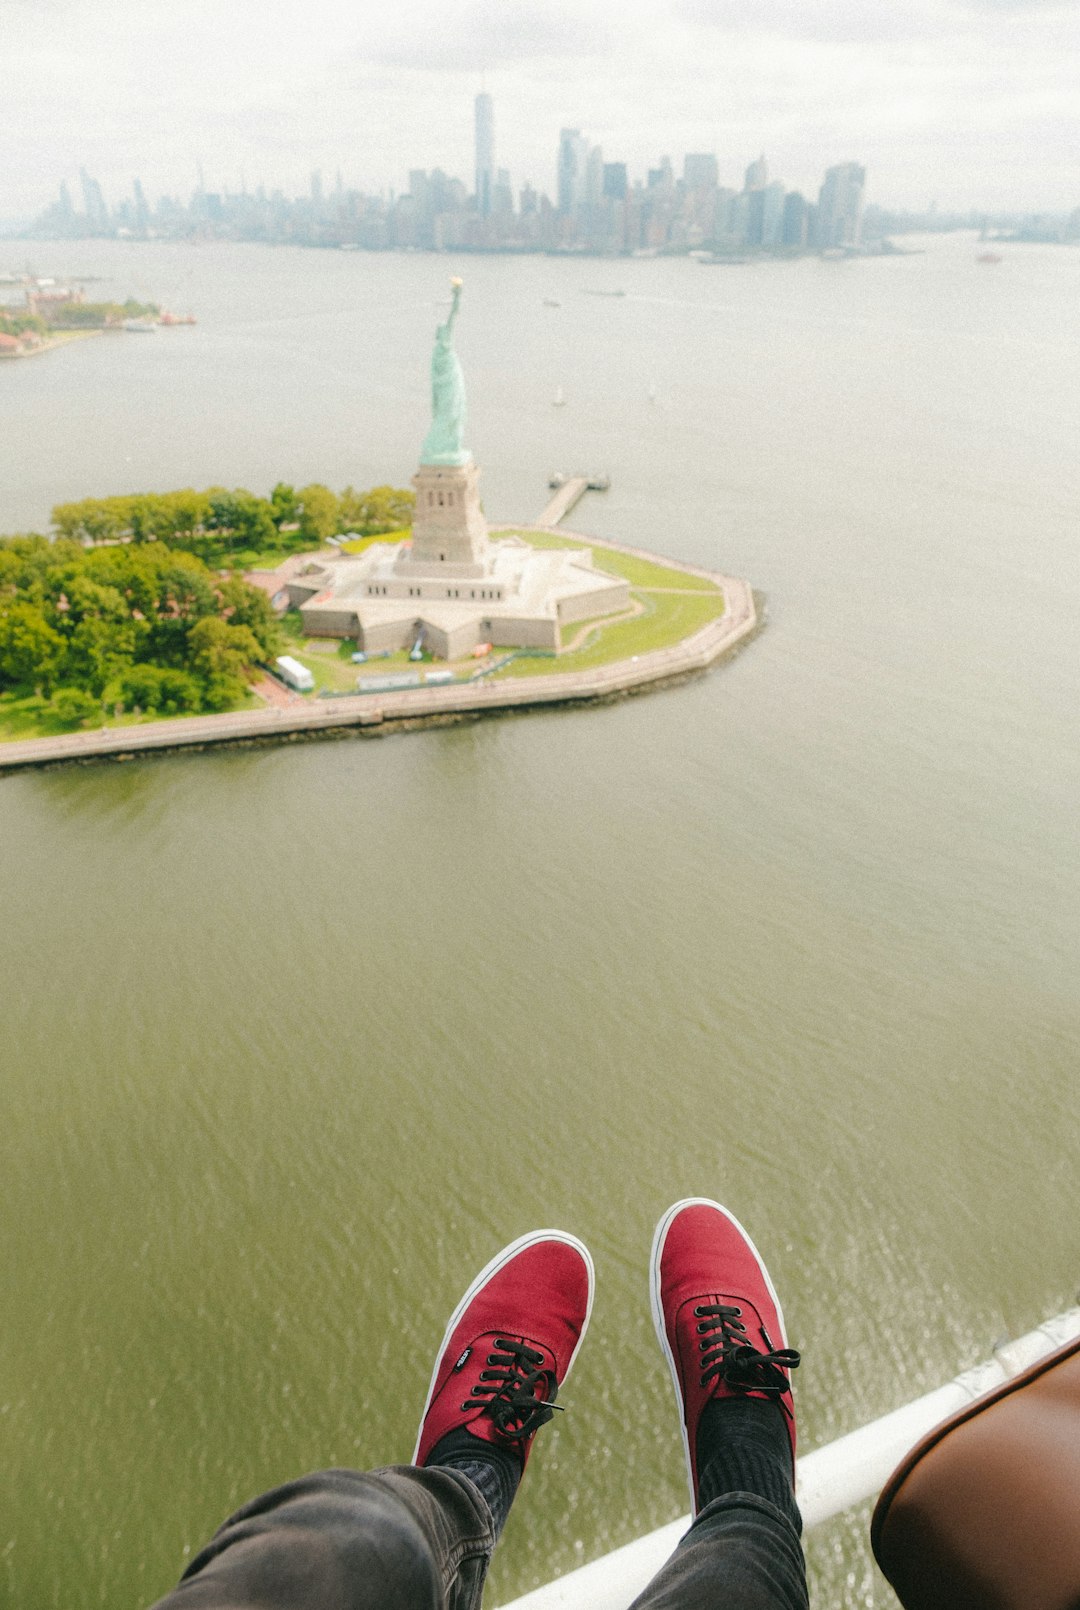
x: 472, y: 35
x: 855, y: 21
x: 836, y: 21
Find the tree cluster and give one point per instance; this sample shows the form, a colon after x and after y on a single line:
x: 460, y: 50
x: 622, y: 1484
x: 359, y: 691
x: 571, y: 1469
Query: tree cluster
x: 137, y: 625
x: 98, y: 315
x: 13, y: 322
x: 218, y: 524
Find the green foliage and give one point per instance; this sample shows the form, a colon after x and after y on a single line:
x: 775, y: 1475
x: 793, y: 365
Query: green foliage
x: 17, y: 323
x: 96, y: 315
x: 384, y: 508
x: 223, y: 526
x: 31, y: 652
x: 283, y: 505
x: 157, y: 688
x: 319, y: 513
x: 250, y: 607
x: 75, y: 708
x: 137, y: 624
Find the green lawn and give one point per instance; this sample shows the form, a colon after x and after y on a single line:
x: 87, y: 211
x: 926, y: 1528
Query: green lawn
x: 25, y: 715
x: 362, y: 544
x: 671, y: 617
x: 639, y: 572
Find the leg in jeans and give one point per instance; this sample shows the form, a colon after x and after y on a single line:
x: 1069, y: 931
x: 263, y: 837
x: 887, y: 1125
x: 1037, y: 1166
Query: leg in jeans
x: 743, y: 1550
x: 419, y: 1536
x: 393, y: 1539
x: 721, y: 1328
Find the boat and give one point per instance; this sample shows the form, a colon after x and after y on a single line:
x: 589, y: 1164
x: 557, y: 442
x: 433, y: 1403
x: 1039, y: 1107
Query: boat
x: 988, y: 257
x: 559, y: 399
x: 589, y: 292
x: 549, y: 301
x: 140, y: 326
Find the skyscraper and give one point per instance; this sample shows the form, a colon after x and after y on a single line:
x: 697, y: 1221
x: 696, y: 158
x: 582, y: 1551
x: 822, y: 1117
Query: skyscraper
x: 485, y: 153
x: 700, y: 170
x: 615, y: 181
x: 571, y: 175
x: 96, y: 211
x: 840, y: 205
x: 757, y: 175
x: 772, y: 213
x: 795, y: 226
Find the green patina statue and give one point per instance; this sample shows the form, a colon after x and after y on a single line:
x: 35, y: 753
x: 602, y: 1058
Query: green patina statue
x: 443, y: 442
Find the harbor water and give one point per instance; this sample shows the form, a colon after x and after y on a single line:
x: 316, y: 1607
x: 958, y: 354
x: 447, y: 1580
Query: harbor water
x: 294, y: 1039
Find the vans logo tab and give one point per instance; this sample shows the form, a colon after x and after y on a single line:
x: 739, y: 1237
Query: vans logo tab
x: 463, y: 1360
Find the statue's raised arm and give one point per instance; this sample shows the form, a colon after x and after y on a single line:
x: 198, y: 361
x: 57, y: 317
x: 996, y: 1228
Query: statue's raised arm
x: 443, y: 443
x: 455, y: 299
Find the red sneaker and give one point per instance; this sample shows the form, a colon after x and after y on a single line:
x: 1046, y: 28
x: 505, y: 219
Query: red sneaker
x: 509, y: 1345
x: 718, y: 1318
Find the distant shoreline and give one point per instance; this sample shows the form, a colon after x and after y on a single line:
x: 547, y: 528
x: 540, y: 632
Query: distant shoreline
x: 60, y: 339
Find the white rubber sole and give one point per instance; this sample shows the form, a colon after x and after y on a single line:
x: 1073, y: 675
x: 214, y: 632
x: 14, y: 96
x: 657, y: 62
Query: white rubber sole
x: 659, y: 1238
x: 489, y: 1269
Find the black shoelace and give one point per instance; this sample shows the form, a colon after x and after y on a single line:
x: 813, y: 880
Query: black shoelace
x: 517, y: 1394
x: 726, y: 1352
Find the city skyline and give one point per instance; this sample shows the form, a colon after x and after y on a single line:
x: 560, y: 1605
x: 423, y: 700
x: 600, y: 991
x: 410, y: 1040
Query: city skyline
x: 599, y: 206
x: 969, y: 103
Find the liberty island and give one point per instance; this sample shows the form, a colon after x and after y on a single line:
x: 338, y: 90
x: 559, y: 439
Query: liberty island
x: 522, y: 617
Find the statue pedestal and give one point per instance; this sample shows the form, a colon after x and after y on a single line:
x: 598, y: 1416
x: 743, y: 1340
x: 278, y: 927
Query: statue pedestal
x: 449, y: 530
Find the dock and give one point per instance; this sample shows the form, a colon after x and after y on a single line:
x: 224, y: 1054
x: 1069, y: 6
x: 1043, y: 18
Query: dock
x: 569, y: 493
x: 568, y: 489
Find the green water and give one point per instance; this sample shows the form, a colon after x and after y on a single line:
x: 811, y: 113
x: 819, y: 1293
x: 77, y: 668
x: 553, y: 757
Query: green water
x: 294, y: 1040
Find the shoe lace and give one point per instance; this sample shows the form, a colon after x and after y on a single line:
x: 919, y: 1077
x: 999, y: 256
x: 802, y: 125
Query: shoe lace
x: 728, y: 1355
x: 514, y: 1391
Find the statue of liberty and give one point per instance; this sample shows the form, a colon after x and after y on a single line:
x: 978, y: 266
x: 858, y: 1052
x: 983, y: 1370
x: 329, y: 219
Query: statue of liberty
x: 443, y: 442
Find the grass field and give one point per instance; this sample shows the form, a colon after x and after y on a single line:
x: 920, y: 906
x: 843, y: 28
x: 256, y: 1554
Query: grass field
x: 669, y: 618
x: 25, y: 715
x: 638, y: 572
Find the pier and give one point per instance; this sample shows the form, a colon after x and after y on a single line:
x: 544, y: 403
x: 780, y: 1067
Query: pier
x: 569, y: 493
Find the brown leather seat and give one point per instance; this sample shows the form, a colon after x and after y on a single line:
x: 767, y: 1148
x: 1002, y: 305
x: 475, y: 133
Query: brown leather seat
x: 984, y: 1513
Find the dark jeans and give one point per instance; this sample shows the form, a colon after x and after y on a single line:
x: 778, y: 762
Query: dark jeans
x: 410, y: 1539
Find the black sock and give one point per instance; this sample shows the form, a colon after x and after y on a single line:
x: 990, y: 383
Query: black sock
x: 743, y: 1446
x: 494, y: 1470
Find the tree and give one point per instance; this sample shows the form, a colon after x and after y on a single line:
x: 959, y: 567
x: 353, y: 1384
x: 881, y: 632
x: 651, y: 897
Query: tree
x: 319, y: 513
x: 97, y: 651
x: 283, y: 505
x: 94, y: 519
x: 223, y: 657
x: 31, y: 652
x: 155, y: 687
x: 383, y: 508
x: 76, y: 708
x: 244, y: 605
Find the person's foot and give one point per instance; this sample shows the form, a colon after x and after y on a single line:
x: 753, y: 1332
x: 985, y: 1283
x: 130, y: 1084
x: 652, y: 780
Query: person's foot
x: 719, y: 1322
x: 508, y: 1348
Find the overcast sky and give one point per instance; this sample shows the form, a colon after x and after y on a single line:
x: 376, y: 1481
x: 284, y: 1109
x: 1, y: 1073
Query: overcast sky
x: 962, y: 102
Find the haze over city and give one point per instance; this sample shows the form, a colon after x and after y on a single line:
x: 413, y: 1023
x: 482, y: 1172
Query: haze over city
x: 964, y: 103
